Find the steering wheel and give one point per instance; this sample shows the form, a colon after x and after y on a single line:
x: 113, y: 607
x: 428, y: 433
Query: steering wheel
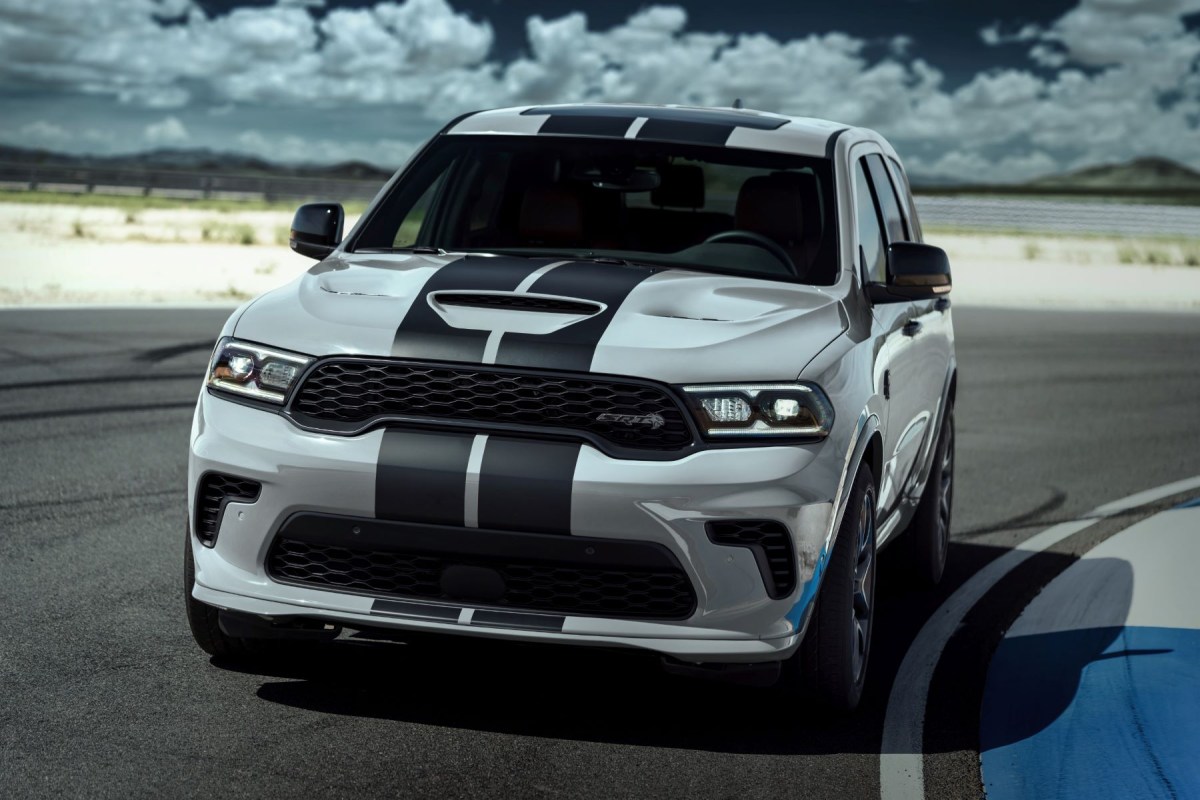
x: 757, y: 239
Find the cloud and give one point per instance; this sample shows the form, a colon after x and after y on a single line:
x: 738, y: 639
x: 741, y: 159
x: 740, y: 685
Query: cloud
x: 293, y: 149
x: 168, y: 132
x: 1107, y: 80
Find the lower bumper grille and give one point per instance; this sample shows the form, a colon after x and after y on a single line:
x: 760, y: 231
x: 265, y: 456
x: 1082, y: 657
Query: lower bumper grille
x: 536, y: 572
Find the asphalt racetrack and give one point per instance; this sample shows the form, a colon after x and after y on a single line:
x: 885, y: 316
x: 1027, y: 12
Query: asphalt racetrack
x: 103, y: 693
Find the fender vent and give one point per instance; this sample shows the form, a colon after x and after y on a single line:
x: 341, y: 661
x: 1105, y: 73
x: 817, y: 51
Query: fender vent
x: 768, y: 539
x: 518, y: 302
x: 214, y: 491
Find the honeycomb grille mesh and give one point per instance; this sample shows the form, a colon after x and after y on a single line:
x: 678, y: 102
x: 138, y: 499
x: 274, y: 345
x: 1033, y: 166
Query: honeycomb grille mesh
x: 771, y: 538
x: 651, y: 594
x: 214, y: 489
x: 351, y: 393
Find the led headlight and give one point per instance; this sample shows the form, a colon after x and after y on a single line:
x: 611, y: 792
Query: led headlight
x: 254, y: 371
x: 761, y: 409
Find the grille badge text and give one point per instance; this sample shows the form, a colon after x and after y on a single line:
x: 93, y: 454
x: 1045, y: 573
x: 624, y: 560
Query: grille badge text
x: 651, y: 421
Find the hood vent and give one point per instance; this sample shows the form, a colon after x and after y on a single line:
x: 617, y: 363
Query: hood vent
x: 518, y: 302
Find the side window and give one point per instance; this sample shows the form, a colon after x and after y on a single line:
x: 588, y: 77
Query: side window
x: 870, y: 234
x: 906, y: 197
x: 889, y: 205
x: 409, y: 229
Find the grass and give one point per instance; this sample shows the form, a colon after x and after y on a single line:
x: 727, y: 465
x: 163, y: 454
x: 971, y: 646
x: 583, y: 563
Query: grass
x: 1180, y: 253
x: 227, y: 232
x: 134, y: 204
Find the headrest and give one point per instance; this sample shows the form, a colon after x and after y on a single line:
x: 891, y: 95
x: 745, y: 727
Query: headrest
x: 550, y: 214
x: 780, y: 206
x: 682, y: 186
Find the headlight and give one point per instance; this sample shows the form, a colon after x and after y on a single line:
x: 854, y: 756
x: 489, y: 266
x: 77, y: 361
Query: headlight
x: 254, y: 371
x: 761, y: 409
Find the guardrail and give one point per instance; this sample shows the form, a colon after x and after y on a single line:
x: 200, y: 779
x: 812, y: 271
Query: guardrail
x: 178, y: 184
x: 1058, y: 216
x: 946, y: 211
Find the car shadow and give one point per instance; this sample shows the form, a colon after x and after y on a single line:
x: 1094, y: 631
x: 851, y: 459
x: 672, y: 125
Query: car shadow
x: 623, y: 697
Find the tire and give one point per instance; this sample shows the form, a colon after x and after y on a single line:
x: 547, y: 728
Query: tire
x: 831, y: 664
x: 202, y: 618
x: 929, y: 532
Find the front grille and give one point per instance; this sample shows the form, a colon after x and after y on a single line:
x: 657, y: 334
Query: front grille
x: 348, y: 394
x: 517, y: 302
x: 772, y: 548
x: 213, y: 492
x: 528, y: 584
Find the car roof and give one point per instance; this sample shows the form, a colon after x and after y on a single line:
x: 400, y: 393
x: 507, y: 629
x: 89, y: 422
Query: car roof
x: 729, y: 127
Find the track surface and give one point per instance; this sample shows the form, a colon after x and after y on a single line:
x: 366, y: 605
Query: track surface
x: 103, y: 692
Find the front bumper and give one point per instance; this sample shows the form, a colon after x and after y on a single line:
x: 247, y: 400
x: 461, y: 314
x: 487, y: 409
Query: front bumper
x: 661, y: 502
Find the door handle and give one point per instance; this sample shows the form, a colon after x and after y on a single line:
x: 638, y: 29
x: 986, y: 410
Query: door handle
x: 911, y: 328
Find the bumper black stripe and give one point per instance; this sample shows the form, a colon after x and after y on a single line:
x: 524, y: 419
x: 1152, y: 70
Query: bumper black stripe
x: 424, y: 334
x: 573, y: 347
x: 421, y: 477
x: 525, y: 485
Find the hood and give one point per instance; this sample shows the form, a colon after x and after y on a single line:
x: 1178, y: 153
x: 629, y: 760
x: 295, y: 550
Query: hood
x: 664, y: 324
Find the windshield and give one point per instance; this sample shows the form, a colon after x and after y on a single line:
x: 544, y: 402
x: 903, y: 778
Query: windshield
x: 716, y: 209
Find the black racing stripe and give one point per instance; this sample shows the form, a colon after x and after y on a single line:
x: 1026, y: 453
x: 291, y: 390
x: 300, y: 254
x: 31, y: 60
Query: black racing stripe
x: 681, y: 131
x: 424, y: 334
x: 573, y: 347
x: 421, y: 477
x: 525, y: 485
x: 707, y: 116
x: 587, y: 126
x: 831, y: 145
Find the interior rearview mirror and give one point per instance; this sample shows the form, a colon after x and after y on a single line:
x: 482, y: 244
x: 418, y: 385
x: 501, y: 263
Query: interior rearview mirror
x: 317, y: 229
x: 915, y: 272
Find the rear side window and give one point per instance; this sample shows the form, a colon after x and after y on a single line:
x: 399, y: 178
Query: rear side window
x: 870, y: 234
x: 906, y: 198
x: 889, y: 204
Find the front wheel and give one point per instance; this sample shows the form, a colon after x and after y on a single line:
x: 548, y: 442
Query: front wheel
x: 203, y: 618
x: 831, y: 663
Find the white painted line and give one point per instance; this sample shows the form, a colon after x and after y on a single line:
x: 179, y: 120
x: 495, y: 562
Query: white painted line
x: 492, y: 346
x: 471, y: 489
x: 464, y: 616
x: 635, y: 127
x: 530, y: 279
x: 901, y: 761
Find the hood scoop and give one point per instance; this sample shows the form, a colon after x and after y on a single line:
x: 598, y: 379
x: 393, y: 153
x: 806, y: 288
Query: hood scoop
x: 505, y: 301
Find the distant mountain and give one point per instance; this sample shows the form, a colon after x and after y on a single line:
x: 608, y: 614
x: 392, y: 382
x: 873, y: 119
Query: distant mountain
x: 197, y: 160
x: 1141, y: 173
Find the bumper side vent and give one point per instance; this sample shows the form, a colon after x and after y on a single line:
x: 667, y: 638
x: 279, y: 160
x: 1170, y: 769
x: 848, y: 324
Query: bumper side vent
x: 214, y: 491
x: 771, y: 544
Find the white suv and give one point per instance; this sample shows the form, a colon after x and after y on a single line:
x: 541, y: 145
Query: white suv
x: 616, y: 375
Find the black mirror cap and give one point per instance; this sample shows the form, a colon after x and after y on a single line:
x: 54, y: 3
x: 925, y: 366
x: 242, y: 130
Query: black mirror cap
x: 317, y: 229
x: 915, y: 272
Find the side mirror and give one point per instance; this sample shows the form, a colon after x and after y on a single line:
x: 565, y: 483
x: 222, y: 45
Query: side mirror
x: 317, y: 229
x: 915, y: 272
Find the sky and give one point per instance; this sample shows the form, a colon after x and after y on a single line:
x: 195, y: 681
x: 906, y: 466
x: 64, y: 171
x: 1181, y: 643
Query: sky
x: 977, y: 90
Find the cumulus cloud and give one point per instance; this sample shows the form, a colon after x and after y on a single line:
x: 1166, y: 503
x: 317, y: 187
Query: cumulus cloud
x: 1107, y: 80
x: 167, y: 132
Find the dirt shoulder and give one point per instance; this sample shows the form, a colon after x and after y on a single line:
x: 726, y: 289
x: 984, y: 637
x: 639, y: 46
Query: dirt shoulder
x: 65, y: 254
